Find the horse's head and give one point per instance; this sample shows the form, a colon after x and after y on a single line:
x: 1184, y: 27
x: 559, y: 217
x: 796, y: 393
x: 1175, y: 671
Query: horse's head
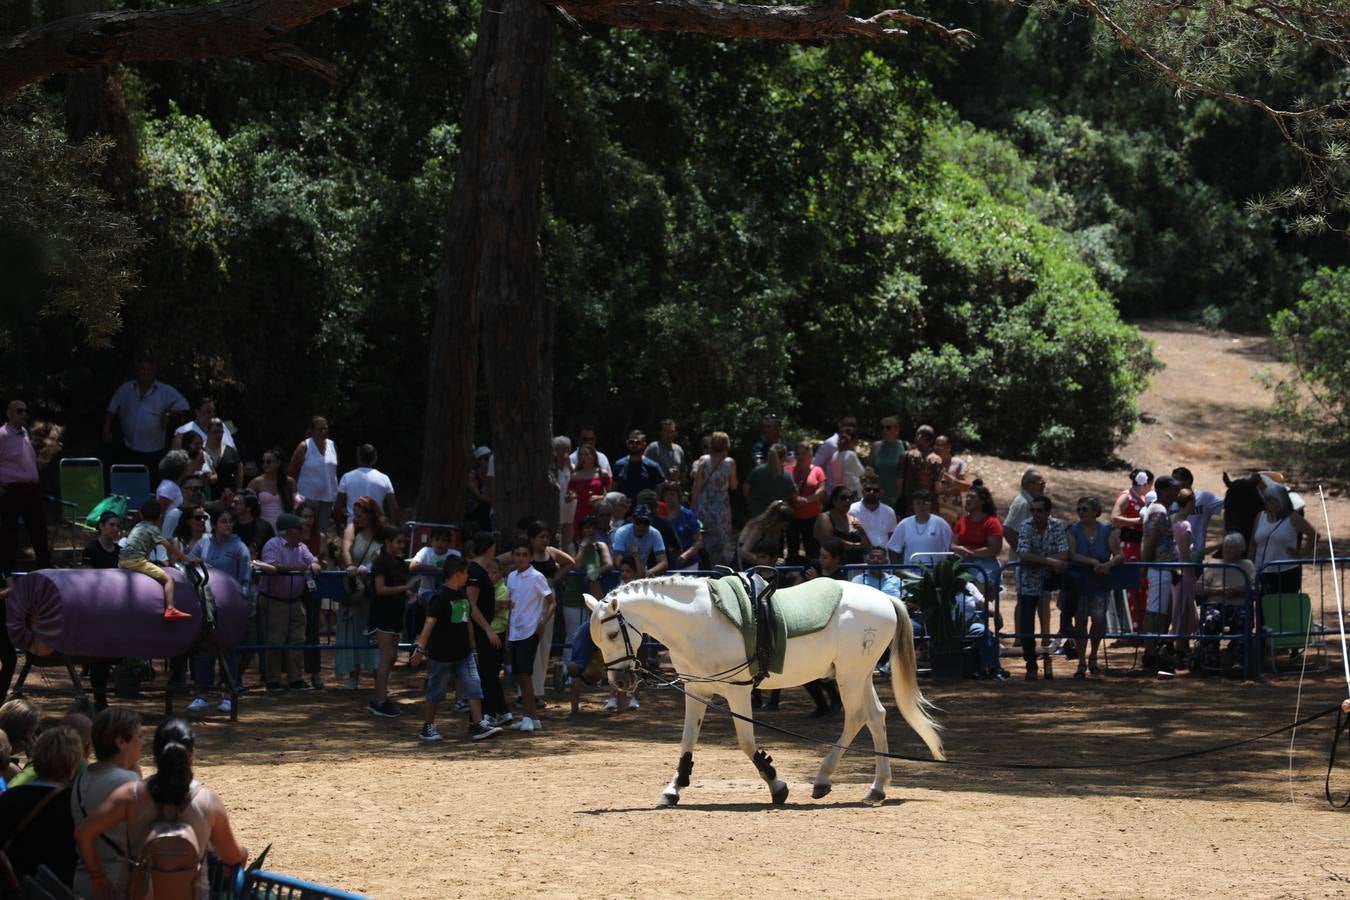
x: 617, y: 640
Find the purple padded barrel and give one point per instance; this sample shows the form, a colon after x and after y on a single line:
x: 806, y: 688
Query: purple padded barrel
x: 114, y: 612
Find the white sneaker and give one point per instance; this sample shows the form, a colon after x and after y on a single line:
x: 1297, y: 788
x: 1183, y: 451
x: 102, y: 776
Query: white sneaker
x: 612, y: 704
x: 536, y: 725
x: 633, y: 703
x: 526, y: 724
x: 198, y: 705
x: 226, y: 706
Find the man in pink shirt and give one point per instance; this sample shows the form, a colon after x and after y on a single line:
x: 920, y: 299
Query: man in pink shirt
x: 19, y: 491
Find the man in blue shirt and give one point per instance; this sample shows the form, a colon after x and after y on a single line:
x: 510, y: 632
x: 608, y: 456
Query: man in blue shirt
x: 639, y: 538
x: 885, y: 581
x: 635, y: 472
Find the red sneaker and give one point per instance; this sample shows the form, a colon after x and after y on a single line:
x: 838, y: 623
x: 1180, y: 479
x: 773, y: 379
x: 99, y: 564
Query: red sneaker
x: 174, y: 612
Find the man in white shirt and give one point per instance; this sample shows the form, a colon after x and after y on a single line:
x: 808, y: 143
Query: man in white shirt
x: 367, y: 481
x: 1019, y: 511
x: 825, y: 452
x: 922, y: 533
x: 876, y: 518
x: 586, y: 436
x: 1207, y: 503
x: 142, y: 407
x: 531, y: 607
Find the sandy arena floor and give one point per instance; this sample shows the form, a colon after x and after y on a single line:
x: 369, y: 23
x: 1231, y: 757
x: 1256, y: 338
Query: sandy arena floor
x: 359, y: 803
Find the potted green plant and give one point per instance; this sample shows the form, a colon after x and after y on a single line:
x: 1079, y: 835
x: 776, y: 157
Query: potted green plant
x: 936, y: 591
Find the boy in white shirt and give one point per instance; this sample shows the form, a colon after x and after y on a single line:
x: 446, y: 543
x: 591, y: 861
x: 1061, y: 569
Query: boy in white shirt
x: 531, y: 606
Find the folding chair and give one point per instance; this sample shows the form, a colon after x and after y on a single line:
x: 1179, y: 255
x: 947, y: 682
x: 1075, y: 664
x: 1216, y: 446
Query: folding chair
x: 81, y: 481
x: 1286, y: 626
x: 130, y: 481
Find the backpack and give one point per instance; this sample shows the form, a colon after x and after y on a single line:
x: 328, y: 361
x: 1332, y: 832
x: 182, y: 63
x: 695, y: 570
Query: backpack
x: 170, y: 860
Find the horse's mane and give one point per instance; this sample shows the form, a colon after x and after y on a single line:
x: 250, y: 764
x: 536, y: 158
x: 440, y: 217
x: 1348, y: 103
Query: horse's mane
x: 677, y: 588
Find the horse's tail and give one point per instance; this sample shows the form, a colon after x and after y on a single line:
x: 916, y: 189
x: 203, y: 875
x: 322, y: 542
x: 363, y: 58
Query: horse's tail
x: 905, y: 684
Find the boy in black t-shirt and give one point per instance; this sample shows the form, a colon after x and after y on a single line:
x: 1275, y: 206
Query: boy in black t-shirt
x: 447, y: 643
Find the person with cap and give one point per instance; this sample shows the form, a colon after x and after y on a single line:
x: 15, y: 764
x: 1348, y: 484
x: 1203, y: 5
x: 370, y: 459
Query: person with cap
x: 642, y: 540
x: 481, y: 493
x: 285, y: 562
x: 20, y: 494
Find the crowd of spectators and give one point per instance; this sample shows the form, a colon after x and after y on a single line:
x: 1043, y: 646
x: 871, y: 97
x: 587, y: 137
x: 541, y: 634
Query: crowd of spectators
x: 811, y: 507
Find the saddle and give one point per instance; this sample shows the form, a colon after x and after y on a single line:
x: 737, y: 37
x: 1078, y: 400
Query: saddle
x: 760, y: 583
x: 200, y: 580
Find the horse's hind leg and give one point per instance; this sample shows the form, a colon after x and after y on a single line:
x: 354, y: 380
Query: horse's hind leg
x: 693, y: 721
x: 854, y: 718
x: 738, y: 700
x: 876, y: 723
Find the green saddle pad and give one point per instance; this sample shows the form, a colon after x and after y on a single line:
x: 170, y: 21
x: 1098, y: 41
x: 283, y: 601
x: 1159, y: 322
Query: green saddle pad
x: 803, y: 609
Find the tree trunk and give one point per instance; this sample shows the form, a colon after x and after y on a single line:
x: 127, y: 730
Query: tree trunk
x: 492, y: 279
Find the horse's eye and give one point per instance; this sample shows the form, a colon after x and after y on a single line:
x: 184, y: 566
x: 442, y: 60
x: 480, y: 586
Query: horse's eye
x: 612, y: 635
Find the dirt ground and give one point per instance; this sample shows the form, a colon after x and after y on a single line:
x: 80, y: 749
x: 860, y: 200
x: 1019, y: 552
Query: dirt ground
x: 359, y: 803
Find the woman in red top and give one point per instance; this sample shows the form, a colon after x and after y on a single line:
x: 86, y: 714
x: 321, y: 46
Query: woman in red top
x: 810, y: 481
x: 589, y: 482
x: 1127, y: 515
x: 978, y: 535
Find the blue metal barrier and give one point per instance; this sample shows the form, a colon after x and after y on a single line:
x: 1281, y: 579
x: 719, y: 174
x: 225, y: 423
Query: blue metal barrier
x: 235, y: 883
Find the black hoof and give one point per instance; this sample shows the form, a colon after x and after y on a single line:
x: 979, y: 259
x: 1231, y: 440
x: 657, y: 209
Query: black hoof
x: 668, y: 800
x: 780, y: 795
x: 820, y: 790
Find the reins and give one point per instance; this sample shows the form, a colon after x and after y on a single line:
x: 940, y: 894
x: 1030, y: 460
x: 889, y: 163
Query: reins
x: 655, y: 679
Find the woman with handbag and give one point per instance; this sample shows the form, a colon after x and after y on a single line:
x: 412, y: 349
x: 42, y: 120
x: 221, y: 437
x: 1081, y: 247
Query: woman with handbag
x: 360, y: 546
x: 117, y: 750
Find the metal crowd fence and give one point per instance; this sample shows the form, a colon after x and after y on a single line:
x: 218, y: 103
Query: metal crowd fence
x: 237, y: 883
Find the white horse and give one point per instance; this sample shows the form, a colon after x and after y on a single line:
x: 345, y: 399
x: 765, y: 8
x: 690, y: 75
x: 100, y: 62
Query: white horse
x: 678, y: 611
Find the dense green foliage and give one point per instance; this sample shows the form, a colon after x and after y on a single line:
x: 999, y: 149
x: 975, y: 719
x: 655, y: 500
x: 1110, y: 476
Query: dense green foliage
x: 1310, y: 423
x: 730, y: 228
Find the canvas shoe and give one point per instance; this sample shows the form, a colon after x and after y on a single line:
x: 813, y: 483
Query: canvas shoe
x: 461, y: 706
x: 198, y: 705
x: 226, y: 706
x: 526, y: 725
x: 387, y: 709
x: 612, y: 704
x: 353, y: 683
x: 500, y: 719
x: 428, y: 732
x: 479, y: 731
x: 633, y: 703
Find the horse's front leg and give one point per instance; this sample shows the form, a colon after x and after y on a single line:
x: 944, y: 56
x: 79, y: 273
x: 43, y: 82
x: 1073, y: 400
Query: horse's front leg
x: 738, y: 700
x: 694, y: 710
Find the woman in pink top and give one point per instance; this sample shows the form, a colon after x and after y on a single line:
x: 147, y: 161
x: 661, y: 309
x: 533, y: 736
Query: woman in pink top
x: 275, y: 489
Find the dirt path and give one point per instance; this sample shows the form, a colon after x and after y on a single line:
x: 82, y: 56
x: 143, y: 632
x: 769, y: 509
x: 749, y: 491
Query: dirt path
x: 1196, y: 413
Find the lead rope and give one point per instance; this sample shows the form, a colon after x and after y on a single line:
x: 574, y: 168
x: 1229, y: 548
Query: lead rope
x: 1341, y: 718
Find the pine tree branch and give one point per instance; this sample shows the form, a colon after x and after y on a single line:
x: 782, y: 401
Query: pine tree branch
x: 741, y: 20
x: 222, y: 30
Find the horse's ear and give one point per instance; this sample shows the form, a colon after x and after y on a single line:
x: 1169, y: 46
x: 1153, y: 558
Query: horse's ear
x: 591, y: 603
x: 1226, y: 481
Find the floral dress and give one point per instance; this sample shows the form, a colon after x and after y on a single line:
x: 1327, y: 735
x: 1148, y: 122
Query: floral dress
x: 714, y: 509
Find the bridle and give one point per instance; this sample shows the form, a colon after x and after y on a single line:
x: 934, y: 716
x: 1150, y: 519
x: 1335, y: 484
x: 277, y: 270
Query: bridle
x: 646, y: 676
x: 630, y: 655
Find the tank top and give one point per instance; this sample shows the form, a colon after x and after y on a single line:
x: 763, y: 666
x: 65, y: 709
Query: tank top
x: 1275, y: 540
x: 318, y: 474
x: 269, y: 507
x: 363, y: 549
x: 887, y: 465
x: 146, y: 812
x: 1134, y: 505
x: 546, y: 567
